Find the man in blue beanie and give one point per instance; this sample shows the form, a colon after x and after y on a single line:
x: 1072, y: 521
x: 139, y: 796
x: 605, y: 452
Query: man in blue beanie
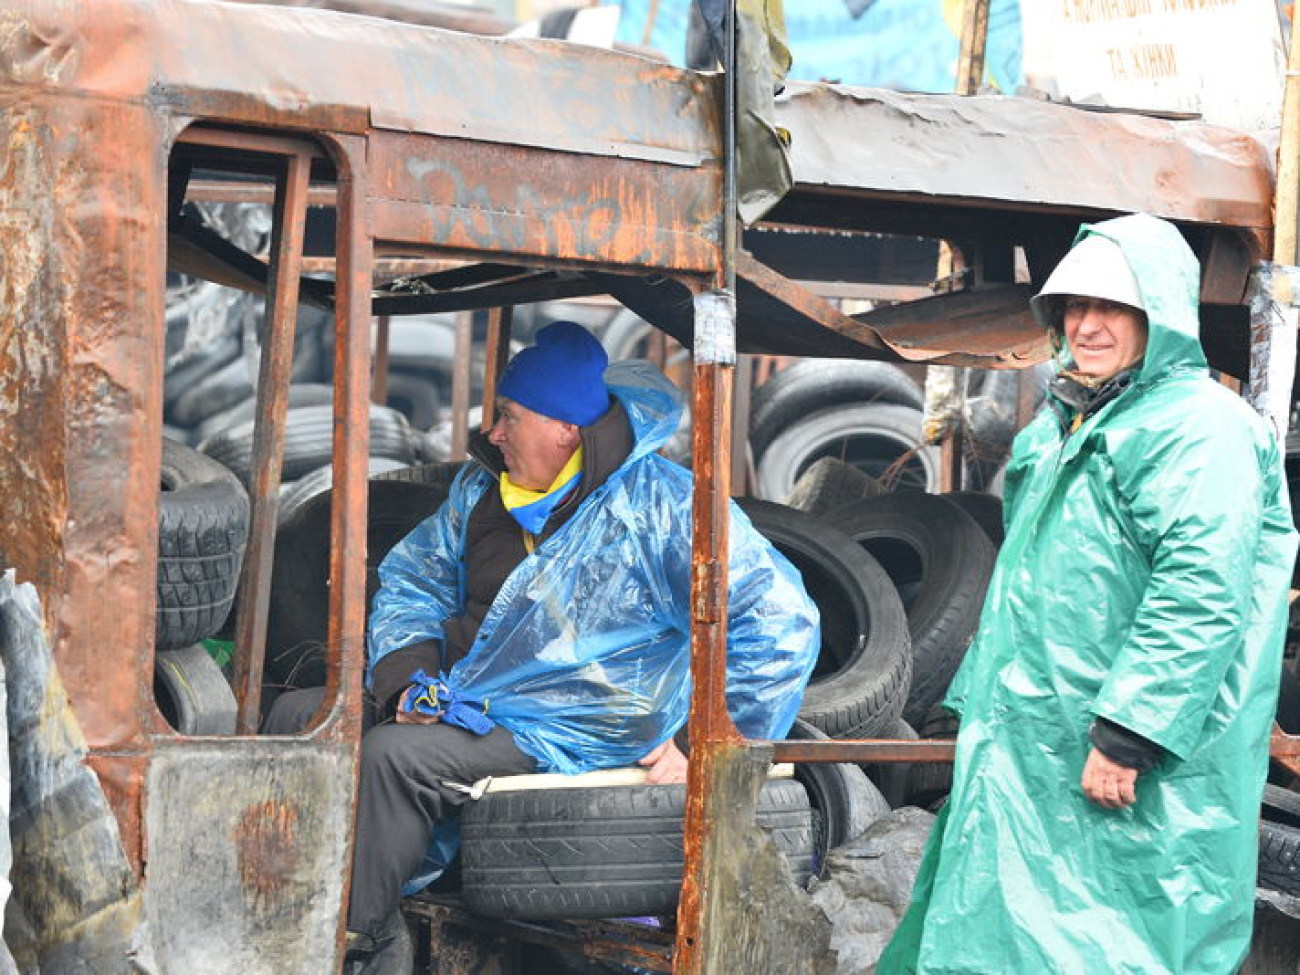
x: 539, y: 621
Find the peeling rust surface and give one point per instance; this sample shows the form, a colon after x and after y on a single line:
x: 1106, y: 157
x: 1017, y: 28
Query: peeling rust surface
x: 266, y: 847
x: 519, y: 200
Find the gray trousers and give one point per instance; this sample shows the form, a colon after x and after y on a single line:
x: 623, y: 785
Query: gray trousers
x: 401, y: 795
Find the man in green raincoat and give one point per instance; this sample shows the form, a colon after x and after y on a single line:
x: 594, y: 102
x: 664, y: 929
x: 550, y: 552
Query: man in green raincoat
x: 1116, y: 704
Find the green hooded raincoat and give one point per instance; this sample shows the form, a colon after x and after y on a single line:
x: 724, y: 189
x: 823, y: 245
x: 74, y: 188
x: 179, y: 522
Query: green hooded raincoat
x: 1143, y: 578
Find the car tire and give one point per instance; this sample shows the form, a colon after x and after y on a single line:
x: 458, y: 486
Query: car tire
x: 892, y: 778
x: 600, y: 852
x: 1279, y: 857
x: 929, y: 782
x: 864, y: 669
x: 883, y: 441
x: 941, y: 561
x: 309, y: 441
x: 202, y: 531
x: 844, y: 801
x: 297, y: 625
x: 984, y: 508
x: 830, y: 483
x: 192, y: 693
x: 811, y: 385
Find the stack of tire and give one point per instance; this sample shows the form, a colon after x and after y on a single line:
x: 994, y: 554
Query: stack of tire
x: 899, y: 579
x: 202, y: 532
x: 865, y: 413
x: 868, y: 414
x: 210, y: 390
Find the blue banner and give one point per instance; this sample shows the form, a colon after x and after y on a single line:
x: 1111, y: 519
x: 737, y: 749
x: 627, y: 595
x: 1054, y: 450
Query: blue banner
x: 908, y: 45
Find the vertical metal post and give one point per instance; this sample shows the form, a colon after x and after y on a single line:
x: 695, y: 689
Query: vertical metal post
x: 348, y: 507
x: 460, y: 382
x: 715, y: 357
x: 970, y: 72
x: 500, y: 322
x: 268, y: 438
x: 974, y: 40
x: 379, y: 374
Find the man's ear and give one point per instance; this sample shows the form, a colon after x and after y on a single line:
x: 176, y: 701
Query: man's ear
x: 570, y: 435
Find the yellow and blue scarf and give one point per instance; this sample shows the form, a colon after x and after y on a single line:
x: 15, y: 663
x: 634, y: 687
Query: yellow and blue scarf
x: 532, y: 508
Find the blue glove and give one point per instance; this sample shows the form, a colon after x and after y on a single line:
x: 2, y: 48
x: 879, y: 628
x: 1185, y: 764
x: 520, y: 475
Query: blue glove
x: 432, y: 696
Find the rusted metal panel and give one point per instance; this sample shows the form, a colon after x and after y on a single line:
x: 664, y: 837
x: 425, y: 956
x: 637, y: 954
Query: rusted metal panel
x: 320, y: 69
x: 449, y: 14
x: 81, y: 351
x: 990, y: 328
x: 1022, y: 154
x: 1285, y: 749
x: 514, y: 200
x: 249, y: 839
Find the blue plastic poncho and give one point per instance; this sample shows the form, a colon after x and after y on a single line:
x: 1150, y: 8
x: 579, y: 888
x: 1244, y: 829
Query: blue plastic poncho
x: 584, y: 654
x: 1144, y: 579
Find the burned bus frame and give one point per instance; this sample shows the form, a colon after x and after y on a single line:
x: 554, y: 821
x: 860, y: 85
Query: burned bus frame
x: 492, y: 173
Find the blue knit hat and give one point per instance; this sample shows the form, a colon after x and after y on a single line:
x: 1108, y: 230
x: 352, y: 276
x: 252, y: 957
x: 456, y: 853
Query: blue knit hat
x: 562, y: 375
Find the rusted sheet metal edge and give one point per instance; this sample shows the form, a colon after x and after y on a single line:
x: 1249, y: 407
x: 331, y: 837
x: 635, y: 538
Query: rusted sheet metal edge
x: 278, y: 62
x: 864, y: 750
x: 994, y: 148
x: 507, y: 134
x: 609, y: 941
x: 1013, y: 345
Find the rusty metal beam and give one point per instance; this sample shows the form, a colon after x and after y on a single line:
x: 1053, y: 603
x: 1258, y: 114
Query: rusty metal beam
x: 864, y: 750
x: 196, y: 250
x: 974, y: 40
x: 268, y: 438
x: 349, y: 505
x: 536, y: 287
x: 348, y: 513
x: 379, y: 371
x: 799, y: 299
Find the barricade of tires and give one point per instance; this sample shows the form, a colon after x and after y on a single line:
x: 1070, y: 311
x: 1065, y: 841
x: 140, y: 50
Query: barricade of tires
x: 210, y: 386
x: 899, y: 579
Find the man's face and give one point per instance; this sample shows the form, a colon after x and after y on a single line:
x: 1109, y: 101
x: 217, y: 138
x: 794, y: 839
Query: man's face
x: 1104, y: 336
x: 535, y: 447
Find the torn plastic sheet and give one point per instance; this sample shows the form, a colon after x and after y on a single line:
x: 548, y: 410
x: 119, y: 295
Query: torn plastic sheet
x: 1274, y: 292
x: 76, y: 906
